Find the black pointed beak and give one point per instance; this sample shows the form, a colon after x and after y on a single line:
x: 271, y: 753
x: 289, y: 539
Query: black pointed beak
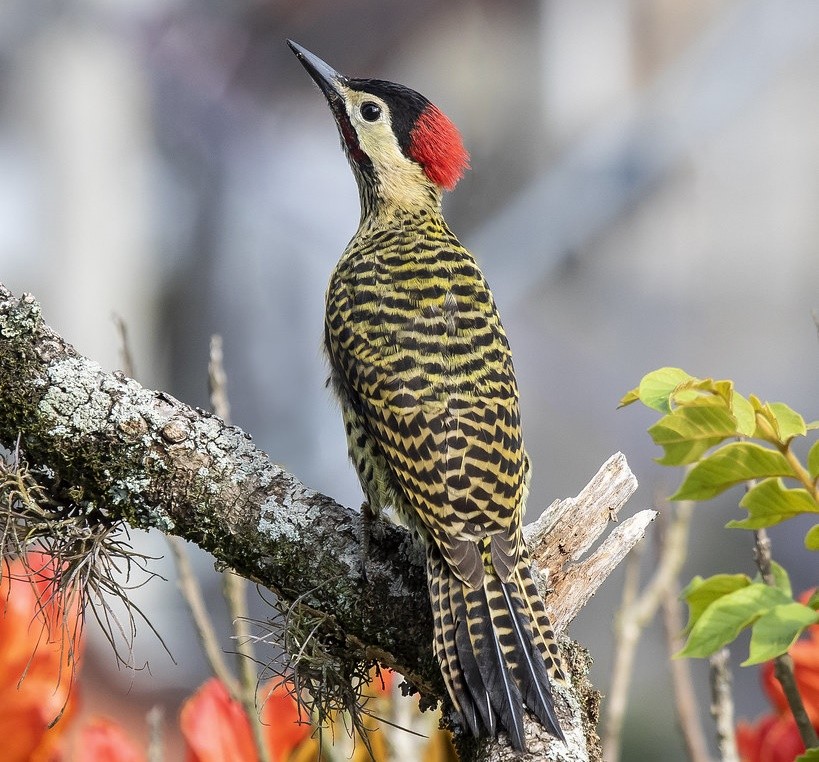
x: 324, y: 75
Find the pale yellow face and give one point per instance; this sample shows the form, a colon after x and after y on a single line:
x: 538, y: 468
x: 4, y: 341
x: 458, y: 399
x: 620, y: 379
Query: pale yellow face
x: 401, y: 181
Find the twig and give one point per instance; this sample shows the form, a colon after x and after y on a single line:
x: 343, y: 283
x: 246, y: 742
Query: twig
x: 623, y: 660
x: 217, y: 380
x: 633, y: 619
x: 126, y: 356
x: 722, y: 706
x: 234, y: 587
x: 783, y: 665
x: 155, y: 718
x: 192, y: 593
x: 235, y: 592
x: 685, y: 699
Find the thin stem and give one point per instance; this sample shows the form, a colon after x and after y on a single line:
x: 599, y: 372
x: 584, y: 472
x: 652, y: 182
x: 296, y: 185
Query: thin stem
x: 155, y: 719
x: 192, y: 593
x: 722, y: 706
x: 235, y: 591
x: 783, y: 665
x: 801, y: 472
x: 127, y: 357
x: 217, y: 379
x: 235, y: 587
x: 685, y: 699
x: 626, y: 635
x: 636, y: 612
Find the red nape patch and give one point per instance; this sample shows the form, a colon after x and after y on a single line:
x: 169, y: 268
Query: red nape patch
x: 436, y: 145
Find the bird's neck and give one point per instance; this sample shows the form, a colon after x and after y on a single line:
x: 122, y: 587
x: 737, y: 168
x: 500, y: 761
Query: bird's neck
x: 404, y: 220
x: 398, y: 197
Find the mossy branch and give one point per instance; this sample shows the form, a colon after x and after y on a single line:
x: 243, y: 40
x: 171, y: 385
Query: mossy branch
x: 155, y: 462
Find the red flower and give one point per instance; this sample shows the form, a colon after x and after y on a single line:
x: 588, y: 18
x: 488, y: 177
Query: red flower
x: 216, y: 728
x: 39, y: 645
x: 103, y: 740
x: 774, y: 738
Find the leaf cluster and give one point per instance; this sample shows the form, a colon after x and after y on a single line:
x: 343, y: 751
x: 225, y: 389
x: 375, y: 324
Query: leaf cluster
x: 727, y: 439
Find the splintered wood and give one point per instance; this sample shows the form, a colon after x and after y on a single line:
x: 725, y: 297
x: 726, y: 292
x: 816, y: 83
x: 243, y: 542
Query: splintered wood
x: 568, y: 528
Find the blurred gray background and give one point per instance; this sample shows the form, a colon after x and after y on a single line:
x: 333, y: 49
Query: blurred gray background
x: 644, y: 192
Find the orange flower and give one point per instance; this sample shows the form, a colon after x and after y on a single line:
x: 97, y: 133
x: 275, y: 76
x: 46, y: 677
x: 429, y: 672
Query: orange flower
x: 285, y: 727
x: 216, y: 728
x: 103, y: 740
x: 38, y: 653
x: 773, y: 738
x: 382, y: 680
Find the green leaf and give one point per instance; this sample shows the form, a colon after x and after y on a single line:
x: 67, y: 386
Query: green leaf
x: 813, y: 601
x: 690, y: 431
x: 744, y: 413
x: 732, y: 464
x: 812, y: 538
x: 791, y: 424
x: 811, y: 755
x: 656, y: 387
x: 780, y: 577
x: 769, y: 503
x: 777, y: 630
x: 813, y: 460
x: 727, y: 616
x: 700, y: 593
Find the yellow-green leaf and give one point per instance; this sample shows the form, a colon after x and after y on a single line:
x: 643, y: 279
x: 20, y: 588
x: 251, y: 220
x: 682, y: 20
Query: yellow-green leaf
x: 732, y: 464
x: 777, y: 630
x: 727, y: 616
x: 812, y: 538
x: 744, y: 413
x: 776, y: 422
x: 791, y: 424
x: 769, y: 503
x: 813, y: 460
x: 811, y: 755
x: 688, y: 432
x: 700, y: 593
x: 656, y: 387
x: 629, y: 397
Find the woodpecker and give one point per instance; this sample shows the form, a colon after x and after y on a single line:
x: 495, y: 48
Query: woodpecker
x: 423, y: 373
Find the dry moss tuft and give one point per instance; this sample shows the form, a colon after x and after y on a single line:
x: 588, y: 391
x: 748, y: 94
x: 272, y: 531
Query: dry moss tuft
x: 93, y: 560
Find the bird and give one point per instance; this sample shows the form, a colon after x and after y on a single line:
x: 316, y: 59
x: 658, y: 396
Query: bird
x: 422, y: 370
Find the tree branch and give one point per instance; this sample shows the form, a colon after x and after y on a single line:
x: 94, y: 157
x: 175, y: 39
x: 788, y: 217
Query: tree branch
x: 156, y: 462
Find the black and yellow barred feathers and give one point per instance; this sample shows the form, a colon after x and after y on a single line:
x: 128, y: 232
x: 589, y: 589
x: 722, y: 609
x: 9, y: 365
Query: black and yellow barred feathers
x: 423, y: 371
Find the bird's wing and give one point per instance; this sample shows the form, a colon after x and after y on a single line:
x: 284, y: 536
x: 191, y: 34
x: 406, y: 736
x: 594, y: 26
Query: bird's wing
x: 461, y: 467
x: 451, y: 438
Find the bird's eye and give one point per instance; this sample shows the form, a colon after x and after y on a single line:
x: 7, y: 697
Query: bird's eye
x: 370, y: 111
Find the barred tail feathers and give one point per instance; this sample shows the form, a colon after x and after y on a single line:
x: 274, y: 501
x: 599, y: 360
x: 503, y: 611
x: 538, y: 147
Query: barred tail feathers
x: 541, y: 626
x: 492, y: 657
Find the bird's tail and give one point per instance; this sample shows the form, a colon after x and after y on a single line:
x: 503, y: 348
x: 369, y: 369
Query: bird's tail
x: 496, y: 649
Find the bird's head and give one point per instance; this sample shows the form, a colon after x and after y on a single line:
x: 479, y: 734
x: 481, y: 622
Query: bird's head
x: 403, y: 150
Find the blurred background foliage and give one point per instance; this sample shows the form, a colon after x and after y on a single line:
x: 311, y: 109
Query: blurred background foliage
x: 644, y: 192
